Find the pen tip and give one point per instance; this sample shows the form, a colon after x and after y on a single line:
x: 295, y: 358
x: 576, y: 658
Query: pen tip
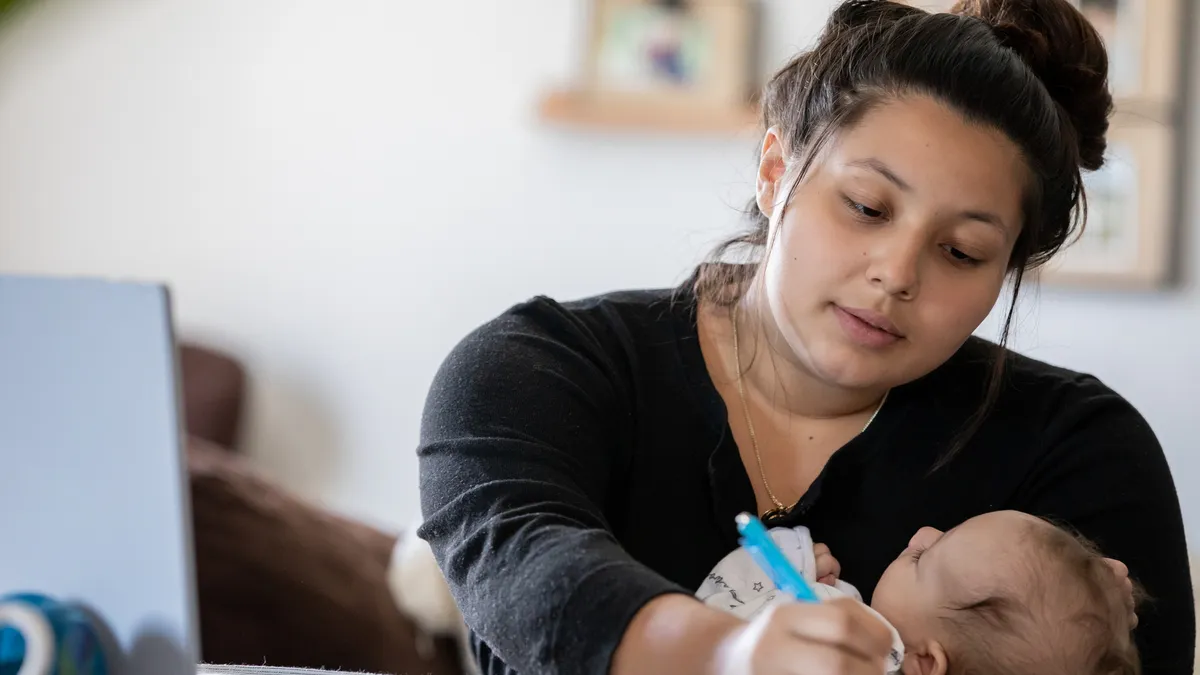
x: 742, y: 519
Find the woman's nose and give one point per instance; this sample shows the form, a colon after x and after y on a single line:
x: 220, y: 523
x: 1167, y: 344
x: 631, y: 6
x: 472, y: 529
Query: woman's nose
x: 896, y: 266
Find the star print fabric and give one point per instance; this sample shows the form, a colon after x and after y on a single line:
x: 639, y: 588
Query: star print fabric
x: 739, y: 586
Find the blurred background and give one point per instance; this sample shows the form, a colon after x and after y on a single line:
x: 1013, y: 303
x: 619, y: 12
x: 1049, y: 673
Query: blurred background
x: 337, y: 192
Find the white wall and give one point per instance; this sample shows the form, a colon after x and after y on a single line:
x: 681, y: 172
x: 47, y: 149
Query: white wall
x: 338, y: 191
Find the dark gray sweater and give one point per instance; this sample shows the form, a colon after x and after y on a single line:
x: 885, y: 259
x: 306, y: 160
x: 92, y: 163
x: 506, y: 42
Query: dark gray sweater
x: 576, y: 462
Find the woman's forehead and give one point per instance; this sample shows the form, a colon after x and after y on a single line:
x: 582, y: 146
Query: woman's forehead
x: 936, y: 152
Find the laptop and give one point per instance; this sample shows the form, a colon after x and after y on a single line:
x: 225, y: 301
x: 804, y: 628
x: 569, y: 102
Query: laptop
x: 94, y: 501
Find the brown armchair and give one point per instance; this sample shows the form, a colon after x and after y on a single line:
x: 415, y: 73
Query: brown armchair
x: 282, y: 582
x: 214, y: 386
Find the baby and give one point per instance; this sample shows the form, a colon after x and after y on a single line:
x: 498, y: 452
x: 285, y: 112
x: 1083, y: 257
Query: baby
x: 1002, y: 593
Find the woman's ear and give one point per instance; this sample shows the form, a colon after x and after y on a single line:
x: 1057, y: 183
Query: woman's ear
x: 772, y: 166
x: 924, y: 659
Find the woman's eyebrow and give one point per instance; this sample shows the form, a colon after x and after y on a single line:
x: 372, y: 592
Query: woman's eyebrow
x: 882, y: 169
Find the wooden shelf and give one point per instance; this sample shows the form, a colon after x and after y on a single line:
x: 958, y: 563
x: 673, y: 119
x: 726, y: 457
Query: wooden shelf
x: 577, y: 109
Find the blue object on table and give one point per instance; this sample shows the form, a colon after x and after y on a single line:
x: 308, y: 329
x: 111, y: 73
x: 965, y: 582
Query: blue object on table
x: 41, y: 636
x: 763, y: 550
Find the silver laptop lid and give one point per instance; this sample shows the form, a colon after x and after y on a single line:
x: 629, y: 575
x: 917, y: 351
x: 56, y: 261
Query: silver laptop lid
x: 94, y: 504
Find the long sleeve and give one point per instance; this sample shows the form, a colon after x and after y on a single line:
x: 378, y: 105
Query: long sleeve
x: 1105, y: 473
x: 520, y: 450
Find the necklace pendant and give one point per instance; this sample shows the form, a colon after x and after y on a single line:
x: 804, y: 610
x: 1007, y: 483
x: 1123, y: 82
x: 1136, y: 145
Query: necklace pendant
x: 777, y: 512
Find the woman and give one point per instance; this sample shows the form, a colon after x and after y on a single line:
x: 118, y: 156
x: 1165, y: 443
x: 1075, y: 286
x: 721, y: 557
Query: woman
x: 582, y: 463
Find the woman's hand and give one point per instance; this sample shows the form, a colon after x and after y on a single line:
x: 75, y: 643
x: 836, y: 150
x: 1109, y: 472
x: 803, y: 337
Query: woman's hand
x: 833, y: 638
x: 828, y: 568
x: 1122, y: 573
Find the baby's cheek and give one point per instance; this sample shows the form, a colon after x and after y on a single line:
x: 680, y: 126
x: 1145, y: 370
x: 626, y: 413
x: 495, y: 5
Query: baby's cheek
x: 898, y: 598
x: 884, y: 597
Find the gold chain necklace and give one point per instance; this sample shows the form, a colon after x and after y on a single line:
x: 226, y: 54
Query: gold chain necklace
x: 780, y: 508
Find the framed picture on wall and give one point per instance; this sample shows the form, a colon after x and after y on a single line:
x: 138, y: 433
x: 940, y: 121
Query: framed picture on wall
x: 1128, y: 237
x: 664, y: 66
x: 672, y: 52
x: 1143, y: 42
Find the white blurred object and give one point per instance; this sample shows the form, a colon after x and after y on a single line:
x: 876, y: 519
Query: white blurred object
x: 421, y: 592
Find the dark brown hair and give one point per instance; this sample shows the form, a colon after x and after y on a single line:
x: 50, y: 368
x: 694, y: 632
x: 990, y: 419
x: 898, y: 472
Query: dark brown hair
x: 1073, y: 620
x: 1035, y: 70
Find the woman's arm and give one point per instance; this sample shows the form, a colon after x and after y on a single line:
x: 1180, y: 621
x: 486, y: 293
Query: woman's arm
x: 669, y: 634
x: 520, y: 442
x: 521, y: 450
x: 1106, y: 476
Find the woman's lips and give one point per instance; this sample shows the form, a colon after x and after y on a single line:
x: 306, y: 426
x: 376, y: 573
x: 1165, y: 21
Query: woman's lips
x: 867, y: 328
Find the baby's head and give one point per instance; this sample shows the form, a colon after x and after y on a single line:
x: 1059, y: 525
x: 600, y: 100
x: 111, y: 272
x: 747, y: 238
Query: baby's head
x: 1005, y: 593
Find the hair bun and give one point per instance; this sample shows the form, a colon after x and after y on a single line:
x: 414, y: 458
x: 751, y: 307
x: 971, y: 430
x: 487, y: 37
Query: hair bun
x: 1067, y: 54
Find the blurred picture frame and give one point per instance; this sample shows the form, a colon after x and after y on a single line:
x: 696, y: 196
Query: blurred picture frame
x: 1128, y: 238
x: 1144, y: 45
x: 672, y: 53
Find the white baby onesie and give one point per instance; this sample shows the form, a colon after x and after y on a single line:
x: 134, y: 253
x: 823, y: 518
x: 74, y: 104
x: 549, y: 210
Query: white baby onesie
x: 739, y: 586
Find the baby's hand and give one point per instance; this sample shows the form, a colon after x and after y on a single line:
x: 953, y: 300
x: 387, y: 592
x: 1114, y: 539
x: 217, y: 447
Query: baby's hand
x: 828, y: 567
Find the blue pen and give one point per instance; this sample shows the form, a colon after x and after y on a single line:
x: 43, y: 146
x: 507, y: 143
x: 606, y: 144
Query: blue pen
x: 768, y: 556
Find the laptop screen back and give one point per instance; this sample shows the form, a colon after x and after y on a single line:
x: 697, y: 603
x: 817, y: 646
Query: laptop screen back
x: 94, y: 505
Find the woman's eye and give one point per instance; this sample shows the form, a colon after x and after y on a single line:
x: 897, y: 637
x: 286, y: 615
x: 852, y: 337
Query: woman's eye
x: 959, y: 256
x: 863, y: 209
x: 917, y: 552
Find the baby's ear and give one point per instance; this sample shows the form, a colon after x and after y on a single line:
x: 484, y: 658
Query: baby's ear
x: 924, y: 659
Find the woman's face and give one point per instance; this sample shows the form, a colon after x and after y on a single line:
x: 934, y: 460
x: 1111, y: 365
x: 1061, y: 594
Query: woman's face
x: 895, y: 245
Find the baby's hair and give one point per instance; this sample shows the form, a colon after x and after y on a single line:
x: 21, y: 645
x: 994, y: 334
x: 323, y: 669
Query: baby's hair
x: 1073, y: 620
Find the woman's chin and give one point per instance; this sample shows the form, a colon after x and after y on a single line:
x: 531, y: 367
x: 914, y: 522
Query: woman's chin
x: 849, y: 369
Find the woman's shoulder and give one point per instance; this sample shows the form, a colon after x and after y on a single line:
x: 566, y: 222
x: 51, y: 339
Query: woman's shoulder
x: 621, y: 317
x: 1022, y: 376
x: 1048, y: 402
x: 601, y: 334
x: 581, y: 358
x: 1059, y: 433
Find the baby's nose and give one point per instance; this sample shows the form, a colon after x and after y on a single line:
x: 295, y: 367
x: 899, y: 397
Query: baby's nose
x: 925, y: 537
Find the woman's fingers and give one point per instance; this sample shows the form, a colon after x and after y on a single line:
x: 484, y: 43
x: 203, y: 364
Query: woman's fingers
x: 819, y: 659
x: 836, y: 638
x: 844, y: 624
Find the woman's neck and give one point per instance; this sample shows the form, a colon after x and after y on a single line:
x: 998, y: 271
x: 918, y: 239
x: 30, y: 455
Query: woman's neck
x: 773, y: 376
